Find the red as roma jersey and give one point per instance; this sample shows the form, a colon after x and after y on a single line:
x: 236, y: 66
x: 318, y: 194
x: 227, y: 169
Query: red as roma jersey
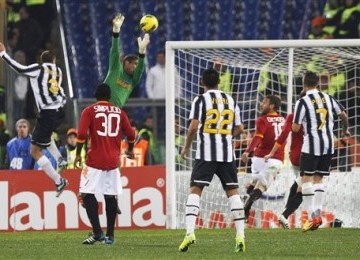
x: 269, y: 127
x: 296, y: 140
x: 104, y: 123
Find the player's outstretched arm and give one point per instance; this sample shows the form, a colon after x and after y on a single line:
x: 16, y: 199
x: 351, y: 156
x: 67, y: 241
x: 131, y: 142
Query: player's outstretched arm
x: 2, y: 47
x: 143, y: 43
x: 117, y: 22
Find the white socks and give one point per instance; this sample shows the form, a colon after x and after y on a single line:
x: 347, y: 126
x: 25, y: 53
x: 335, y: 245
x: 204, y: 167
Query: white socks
x: 237, y: 211
x: 308, y: 197
x: 45, y: 164
x: 319, y: 196
x: 191, y: 212
x: 54, y: 150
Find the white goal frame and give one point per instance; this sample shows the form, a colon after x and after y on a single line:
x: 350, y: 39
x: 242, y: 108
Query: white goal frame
x: 171, y: 46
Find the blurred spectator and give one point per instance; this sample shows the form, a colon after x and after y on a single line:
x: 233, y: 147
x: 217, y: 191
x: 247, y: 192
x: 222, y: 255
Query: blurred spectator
x: 180, y: 163
x: 12, y: 13
x: 31, y: 36
x: 348, y: 28
x: 4, y: 139
x: 332, y: 13
x: 18, y: 148
x: 44, y: 12
x: 317, y: 26
x: 21, y: 87
x: 68, y: 151
x: 141, y: 151
x: 225, y: 76
x: 13, y: 41
x: 155, y: 78
x: 146, y: 133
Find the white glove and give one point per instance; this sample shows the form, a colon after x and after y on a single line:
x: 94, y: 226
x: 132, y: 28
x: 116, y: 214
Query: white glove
x: 143, y: 43
x: 117, y: 22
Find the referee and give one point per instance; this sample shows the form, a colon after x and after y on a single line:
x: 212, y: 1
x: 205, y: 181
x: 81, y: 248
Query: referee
x: 315, y: 112
x: 45, y: 80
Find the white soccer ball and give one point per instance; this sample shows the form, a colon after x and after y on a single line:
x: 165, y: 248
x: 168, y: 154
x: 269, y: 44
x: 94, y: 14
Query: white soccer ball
x: 149, y: 23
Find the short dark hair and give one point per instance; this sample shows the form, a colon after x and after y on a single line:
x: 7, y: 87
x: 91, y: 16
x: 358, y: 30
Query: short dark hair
x: 47, y: 56
x: 311, y: 79
x: 210, y: 78
x: 160, y: 52
x: 274, y: 100
x: 102, y: 92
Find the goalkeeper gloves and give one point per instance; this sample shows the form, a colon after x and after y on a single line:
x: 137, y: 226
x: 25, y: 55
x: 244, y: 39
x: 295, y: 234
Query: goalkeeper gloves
x: 117, y: 22
x: 143, y: 43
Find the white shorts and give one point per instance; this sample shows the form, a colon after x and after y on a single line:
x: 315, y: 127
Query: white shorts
x: 265, y: 172
x: 95, y: 181
x: 296, y: 171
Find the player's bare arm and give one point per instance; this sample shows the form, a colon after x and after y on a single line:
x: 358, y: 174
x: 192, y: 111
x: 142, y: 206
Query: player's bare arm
x: 239, y: 129
x: 189, y: 137
x: 295, y: 127
x: 272, y: 152
x: 2, y: 47
x: 344, y: 123
x: 129, y: 151
x: 78, y: 160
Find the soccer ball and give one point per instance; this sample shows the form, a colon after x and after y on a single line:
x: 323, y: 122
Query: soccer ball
x: 149, y: 23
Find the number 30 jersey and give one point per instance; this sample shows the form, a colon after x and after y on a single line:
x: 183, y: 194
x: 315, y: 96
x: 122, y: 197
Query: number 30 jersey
x: 269, y: 127
x: 217, y: 114
x: 104, y: 124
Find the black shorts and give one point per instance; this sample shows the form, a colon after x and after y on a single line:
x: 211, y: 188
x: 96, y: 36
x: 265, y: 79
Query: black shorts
x: 47, y: 122
x: 315, y: 165
x: 203, y: 172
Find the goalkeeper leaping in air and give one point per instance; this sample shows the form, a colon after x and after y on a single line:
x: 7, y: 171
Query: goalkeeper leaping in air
x: 123, y: 77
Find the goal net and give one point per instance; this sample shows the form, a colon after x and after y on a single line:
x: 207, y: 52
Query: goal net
x: 250, y: 70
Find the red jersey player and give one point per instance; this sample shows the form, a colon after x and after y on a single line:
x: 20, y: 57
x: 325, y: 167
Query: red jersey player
x: 268, y: 129
x: 295, y: 195
x: 104, y: 123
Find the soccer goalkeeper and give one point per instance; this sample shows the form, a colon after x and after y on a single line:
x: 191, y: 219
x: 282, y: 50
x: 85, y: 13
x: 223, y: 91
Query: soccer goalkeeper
x: 123, y: 77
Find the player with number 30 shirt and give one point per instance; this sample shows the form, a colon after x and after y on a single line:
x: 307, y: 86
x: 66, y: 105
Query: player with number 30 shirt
x: 103, y: 121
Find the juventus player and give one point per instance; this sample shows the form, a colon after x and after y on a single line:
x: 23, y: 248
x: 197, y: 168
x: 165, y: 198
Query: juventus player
x: 215, y: 118
x: 268, y: 128
x: 316, y: 112
x: 105, y: 124
x: 45, y: 80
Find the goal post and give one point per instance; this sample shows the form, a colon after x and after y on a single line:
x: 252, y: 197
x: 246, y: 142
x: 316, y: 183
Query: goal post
x: 250, y: 70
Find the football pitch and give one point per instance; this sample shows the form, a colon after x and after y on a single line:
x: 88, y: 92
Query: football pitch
x: 337, y: 243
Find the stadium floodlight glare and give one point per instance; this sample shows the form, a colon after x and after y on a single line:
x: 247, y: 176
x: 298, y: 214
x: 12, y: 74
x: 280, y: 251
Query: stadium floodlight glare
x: 253, y: 69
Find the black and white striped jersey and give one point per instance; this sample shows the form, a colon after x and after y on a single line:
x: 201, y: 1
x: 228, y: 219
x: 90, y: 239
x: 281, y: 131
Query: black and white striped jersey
x: 217, y: 114
x: 316, y: 112
x: 45, y: 80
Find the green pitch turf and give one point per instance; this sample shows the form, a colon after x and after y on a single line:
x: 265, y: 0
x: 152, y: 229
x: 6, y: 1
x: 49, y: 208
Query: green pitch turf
x: 213, y: 244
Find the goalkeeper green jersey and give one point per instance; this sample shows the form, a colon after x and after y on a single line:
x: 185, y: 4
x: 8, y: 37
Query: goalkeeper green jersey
x: 121, y: 84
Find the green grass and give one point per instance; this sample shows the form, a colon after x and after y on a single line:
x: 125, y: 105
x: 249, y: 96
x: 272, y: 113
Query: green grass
x: 338, y: 243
